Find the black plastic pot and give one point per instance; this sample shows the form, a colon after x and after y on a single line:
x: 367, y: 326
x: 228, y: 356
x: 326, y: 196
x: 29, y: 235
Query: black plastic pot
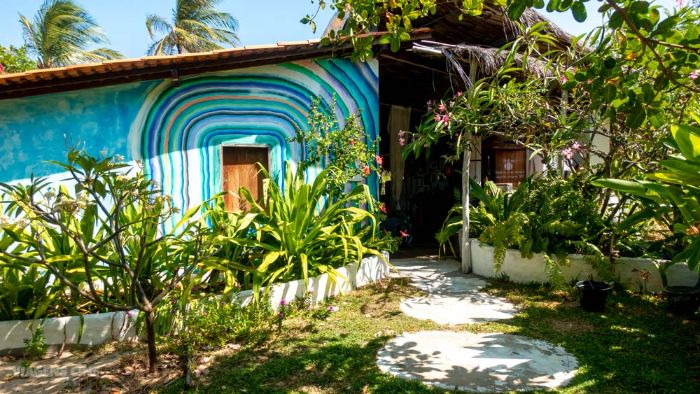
x: 593, y: 295
x: 682, y: 300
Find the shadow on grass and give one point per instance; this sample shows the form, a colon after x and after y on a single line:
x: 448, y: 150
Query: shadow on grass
x: 635, y: 346
x: 334, y: 366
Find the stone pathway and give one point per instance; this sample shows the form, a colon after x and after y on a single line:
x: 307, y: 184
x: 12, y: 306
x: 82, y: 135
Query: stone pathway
x: 491, y: 362
x: 453, y: 298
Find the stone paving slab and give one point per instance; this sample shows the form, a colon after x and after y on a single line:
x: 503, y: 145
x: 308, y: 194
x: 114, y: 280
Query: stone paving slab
x: 438, y: 276
x: 465, y: 361
x: 453, y: 310
x: 453, y: 297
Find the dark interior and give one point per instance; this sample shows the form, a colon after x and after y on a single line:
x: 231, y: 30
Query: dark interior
x: 429, y: 183
x: 420, y: 72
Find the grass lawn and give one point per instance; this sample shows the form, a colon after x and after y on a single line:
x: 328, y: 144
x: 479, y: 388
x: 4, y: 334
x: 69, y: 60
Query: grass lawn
x: 635, y: 347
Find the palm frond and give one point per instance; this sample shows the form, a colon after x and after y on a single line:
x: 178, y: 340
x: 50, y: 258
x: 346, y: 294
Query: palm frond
x: 61, y: 34
x: 195, y: 26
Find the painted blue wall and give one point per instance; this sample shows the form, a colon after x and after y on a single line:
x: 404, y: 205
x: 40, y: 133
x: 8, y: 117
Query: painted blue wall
x: 177, y: 131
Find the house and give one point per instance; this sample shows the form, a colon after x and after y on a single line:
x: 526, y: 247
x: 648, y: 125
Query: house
x: 200, y: 122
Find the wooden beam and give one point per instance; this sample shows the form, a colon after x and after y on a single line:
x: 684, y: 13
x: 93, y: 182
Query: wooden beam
x: 400, y: 60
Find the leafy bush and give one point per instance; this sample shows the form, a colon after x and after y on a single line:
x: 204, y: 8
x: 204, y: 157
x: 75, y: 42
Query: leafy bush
x: 32, y: 292
x: 103, y: 240
x: 345, y: 151
x: 671, y: 194
x: 545, y: 214
x: 300, y: 232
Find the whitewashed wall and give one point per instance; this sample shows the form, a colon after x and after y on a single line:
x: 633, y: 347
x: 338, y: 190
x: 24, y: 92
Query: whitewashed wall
x: 628, y: 270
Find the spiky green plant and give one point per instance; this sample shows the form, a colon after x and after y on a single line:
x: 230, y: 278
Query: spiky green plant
x: 300, y: 232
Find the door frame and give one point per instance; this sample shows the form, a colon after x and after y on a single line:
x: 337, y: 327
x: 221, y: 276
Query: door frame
x: 234, y: 145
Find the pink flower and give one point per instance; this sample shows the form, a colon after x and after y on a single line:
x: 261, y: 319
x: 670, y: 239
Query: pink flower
x: 442, y: 107
x: 382, y: 208
x: 567, y: 153
x: 446, y: 118
x: 352, y: 142
x: 380, y: 160
x: 459, y: 93
x: 283, y: 302
x: 563, y: 79
x: 680, y: 3
x: 576, y: 145
x: 2, y: 68
x: 402, y: 137
x: 437, y: 117
x: 365, y: 171
x: 694, y: 75
x: 333, y: 308
x: 404, y: 234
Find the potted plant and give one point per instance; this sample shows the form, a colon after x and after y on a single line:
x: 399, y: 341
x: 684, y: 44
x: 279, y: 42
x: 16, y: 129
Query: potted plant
x: 682, y: 300
x: 593, y: 295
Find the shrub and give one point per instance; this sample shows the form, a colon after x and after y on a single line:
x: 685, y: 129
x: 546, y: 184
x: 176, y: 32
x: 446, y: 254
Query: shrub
x: 300, y: 232
x: 107, y: 234
x: 546, y: 214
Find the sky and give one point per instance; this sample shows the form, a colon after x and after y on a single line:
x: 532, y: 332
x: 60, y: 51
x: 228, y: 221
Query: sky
x: 260, y: 21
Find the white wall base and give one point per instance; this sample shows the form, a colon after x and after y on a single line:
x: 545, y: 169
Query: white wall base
x: 628, y: 270
x: 120, y: 326
x: 372, y: 269
x: 97, y: 328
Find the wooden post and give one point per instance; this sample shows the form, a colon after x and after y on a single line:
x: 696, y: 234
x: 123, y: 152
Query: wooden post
x: 466, y: 245
x: 466, y: 161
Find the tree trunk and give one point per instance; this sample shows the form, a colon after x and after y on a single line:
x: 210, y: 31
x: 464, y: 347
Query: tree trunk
x: 151, y: 339
x: 466, y: 245
x: 186, y: 361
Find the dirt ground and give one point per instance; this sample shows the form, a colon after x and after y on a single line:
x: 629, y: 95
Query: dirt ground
x: 113, y: 368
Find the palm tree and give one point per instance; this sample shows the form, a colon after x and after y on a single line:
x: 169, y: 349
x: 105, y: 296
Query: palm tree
x: 196, y: 26
x: 60, y: 34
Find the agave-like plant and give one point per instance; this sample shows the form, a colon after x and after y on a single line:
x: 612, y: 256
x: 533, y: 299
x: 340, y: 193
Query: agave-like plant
x: 61, y: 33
x: 300, y: 232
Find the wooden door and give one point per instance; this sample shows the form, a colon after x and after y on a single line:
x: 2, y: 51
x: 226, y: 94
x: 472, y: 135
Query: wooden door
x: 510, y: 166
x: 240, y: 169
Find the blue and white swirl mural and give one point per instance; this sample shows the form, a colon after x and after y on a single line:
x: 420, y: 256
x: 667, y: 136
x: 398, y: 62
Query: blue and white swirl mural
x: 178, y: 131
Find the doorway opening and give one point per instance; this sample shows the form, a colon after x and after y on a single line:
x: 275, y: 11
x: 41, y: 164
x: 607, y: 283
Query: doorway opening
x: 240, y: 168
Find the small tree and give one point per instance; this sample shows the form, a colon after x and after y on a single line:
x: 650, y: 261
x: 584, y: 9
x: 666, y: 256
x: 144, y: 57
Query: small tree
x: 15, y: 60
x: 346, y: 150
x: 109, y: 229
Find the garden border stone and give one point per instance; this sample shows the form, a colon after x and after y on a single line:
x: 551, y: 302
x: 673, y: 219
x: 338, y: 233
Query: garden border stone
x: 100, y: 328
x: 628, y: 270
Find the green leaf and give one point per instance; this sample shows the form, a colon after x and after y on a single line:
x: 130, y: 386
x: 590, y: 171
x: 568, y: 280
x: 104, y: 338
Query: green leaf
x: 615, y: 20
x: 516, y: 9
x: 578, y: 9
x: 635, y: 118
x: 268, y: 259
x: 688, y: 140
x: 624, y: 186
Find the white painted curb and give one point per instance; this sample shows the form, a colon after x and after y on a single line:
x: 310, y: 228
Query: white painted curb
x: 628, y: 270
x: 120, y: 326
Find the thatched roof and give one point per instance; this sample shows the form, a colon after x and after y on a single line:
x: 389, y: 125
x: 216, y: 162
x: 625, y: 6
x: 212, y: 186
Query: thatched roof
x: 487, y: 59
x: 426, y: 68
